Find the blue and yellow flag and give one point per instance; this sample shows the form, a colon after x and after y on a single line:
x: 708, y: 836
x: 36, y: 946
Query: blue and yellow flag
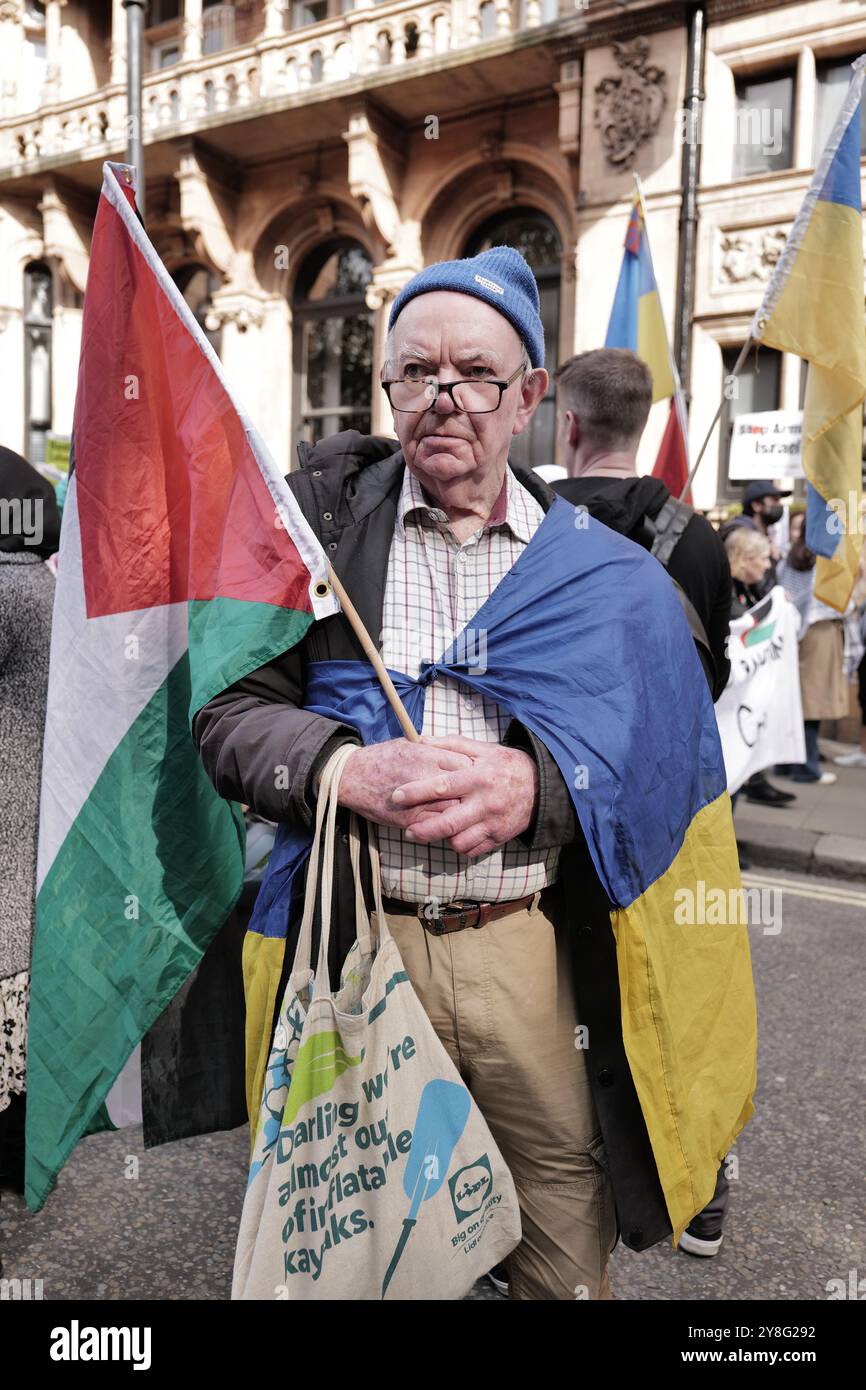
x: 585, y: 642
x: 814, y: 308
x: 636, y: 320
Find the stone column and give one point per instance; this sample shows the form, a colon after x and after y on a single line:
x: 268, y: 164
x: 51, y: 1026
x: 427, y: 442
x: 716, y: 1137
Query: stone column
x: 11, y: 49
x: 118, y: 44
x: 275, y: 17
x: 192, y: 30
x: 804, y: 108
x: 52, y: 50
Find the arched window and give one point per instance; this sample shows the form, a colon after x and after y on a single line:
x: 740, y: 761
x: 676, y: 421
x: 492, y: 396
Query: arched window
x: 316, y: 65
x: 487, y: 15
x: 535, y: 236
x: 333, y: 342
x: 197, y: 285
x: 38, y: 307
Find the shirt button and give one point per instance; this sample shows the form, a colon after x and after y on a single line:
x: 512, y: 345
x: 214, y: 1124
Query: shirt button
x: 469, y: 703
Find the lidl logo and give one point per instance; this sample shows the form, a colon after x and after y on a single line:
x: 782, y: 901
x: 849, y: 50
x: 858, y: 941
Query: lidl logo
x: 470, y: 1187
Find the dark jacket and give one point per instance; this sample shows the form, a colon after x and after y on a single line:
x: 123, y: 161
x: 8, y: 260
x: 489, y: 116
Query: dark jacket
x: 698, y: 563
x: 348, y: 488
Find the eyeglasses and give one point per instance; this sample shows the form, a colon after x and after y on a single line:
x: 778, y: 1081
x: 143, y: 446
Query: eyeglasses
x: 413, y: 395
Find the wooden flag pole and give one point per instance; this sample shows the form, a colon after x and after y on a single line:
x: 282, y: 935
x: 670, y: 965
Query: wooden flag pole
x: 373, y: 657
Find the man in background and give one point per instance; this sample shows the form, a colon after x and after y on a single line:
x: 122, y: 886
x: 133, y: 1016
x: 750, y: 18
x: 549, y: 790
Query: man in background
x: 604, y: 400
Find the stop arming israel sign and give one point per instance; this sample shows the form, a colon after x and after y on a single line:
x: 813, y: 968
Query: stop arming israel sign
x: 760, y: 714
x: 767, y: 445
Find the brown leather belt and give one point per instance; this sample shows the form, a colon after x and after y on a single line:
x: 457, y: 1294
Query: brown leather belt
x: 456, y: 916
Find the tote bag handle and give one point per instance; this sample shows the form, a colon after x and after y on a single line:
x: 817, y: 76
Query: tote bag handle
x: 329, y: 786
x: 322, y: 854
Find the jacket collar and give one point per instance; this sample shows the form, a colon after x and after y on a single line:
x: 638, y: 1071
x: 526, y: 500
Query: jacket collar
x: 373, y: 466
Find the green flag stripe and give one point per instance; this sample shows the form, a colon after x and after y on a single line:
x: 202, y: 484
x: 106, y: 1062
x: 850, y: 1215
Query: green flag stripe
x: 229, y: 637
x: 152, y: 839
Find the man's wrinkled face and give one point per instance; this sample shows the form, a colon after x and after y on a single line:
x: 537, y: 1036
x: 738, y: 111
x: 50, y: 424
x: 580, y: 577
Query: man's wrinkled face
x: 455, y: 337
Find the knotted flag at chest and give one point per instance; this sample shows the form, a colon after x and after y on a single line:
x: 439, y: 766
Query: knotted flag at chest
x: 584, y: 642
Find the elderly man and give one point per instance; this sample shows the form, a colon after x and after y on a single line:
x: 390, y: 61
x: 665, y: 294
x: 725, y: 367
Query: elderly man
x: 492, y: 896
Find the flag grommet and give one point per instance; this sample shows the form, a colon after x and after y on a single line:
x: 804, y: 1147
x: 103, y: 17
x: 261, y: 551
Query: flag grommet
x: 322, y: 589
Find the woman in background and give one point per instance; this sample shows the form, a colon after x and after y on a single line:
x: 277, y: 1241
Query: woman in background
x: 30, y: 533
x: 822, y: 677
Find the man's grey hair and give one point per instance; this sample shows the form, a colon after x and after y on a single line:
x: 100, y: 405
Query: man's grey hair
x: 389, y: 363
x: 610, y: 390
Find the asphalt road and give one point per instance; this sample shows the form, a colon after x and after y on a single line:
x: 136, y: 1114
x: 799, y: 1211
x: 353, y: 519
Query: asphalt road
x: 126, y: 1224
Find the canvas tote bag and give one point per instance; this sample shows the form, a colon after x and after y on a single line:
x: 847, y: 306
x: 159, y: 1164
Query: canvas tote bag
x: 373, y: 1174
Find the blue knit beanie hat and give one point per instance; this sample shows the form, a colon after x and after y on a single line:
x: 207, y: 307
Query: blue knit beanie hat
x: 501, y: 277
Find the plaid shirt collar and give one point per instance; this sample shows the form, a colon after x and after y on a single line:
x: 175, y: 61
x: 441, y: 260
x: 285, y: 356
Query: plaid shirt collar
x: 507, y: 509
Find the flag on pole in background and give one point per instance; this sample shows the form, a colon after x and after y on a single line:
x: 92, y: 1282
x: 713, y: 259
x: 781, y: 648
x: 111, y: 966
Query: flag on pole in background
x: 636, y: 319
x: 184, y: 564
x: 672, y: 464
x: 637, y: 322
x: 813, y: 307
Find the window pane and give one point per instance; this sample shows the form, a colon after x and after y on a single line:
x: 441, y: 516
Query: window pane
x: 763, y: 138
x: 833, y: 79
x: 344, y: 272
x: 218, y: 28
x: 308, y: 12
x: 333, y: 348
x: 536, y: 238
x: 752, y: 390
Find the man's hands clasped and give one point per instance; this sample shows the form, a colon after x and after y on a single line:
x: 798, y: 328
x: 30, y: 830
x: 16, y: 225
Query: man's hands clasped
x: 475, y: 796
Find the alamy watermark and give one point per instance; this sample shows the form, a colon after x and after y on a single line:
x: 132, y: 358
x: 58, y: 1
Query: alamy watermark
x: 703, y: 906
x: 22, y: 516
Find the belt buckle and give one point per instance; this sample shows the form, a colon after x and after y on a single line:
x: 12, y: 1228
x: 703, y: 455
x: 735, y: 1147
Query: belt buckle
x: 472, y: 907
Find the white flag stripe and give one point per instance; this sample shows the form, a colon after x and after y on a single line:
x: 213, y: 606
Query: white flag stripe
x: 103, y: 671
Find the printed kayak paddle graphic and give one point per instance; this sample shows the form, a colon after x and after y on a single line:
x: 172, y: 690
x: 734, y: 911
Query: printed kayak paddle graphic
x: 318, y: 1064
x: 442, y: 1114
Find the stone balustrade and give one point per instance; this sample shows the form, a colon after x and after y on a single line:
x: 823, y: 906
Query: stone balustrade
x: 335, y: 50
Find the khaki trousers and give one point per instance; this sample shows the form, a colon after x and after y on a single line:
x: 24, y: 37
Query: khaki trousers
x: 501, y: 999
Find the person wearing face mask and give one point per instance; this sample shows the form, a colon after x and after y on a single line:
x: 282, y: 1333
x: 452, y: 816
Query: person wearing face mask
x: 762, y: 508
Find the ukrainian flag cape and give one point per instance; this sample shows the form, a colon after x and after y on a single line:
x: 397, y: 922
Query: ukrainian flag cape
x: 814, y: 307
x: 584, y: 641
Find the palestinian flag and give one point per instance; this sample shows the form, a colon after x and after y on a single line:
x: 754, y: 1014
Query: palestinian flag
x: 184, y: 564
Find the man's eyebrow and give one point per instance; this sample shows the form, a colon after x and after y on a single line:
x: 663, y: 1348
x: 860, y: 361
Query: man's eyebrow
x: 471, y: 354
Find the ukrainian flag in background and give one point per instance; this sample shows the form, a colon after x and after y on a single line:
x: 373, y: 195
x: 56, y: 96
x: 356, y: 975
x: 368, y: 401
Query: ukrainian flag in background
x: 814, y: 308
x: 636, y: 320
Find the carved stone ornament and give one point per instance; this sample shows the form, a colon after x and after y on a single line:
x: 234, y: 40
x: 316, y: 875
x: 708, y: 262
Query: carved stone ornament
x: 628, y: 108
x: 243, y: 311
x: 750, y: 255
x: 11, y: 9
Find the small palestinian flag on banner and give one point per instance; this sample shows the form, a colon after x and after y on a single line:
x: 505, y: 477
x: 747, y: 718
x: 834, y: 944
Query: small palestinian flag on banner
x: 184, y: 564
